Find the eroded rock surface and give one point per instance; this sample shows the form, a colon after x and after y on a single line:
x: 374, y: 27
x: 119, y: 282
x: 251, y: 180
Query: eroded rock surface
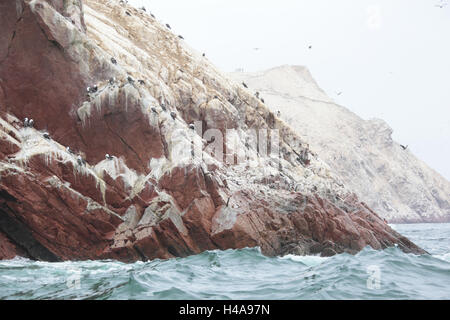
x: 391, y: 180
x: 162, y: 192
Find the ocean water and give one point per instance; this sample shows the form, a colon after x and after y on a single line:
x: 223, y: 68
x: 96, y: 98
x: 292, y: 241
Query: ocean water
x: 246, y: 274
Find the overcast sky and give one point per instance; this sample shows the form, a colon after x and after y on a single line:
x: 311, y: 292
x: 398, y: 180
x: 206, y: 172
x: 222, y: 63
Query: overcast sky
x: 390, y: 58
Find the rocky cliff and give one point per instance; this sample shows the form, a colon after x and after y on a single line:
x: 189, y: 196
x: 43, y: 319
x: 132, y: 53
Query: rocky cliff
x: 101, y: 77
x: 391, y: 180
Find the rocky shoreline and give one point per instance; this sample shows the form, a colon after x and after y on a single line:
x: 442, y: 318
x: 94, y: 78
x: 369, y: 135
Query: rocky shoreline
x: 161, y: 192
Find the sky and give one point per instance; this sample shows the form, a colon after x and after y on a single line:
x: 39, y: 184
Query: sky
x: 389, y: 58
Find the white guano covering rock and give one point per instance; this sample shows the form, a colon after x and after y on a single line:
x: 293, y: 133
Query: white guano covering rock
x: 392, y: 181
x: 147, y: 50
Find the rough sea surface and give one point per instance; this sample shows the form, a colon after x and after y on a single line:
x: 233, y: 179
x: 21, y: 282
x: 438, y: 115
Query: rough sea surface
x: 246, y: 274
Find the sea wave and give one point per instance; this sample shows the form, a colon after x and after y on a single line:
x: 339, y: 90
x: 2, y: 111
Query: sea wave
x: 238, y: 274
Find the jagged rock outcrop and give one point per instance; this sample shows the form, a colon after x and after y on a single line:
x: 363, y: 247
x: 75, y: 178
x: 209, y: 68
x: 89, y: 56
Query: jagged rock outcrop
x: 163, y: 192
x: 392, y: 181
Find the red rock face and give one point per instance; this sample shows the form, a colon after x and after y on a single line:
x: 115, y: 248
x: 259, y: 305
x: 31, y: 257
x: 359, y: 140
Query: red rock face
x: 144, y: 203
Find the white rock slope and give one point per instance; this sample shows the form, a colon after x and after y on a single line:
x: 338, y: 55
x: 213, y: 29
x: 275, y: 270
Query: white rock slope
x: 390, y: 180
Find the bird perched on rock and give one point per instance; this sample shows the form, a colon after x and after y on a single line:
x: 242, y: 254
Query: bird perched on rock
x: 46, y: 135
x: 228, y: 201
x: 181, y: 37
x: 168, y: 26
x: 278, y: 113
x: 112, y: 81
x: 31, y: 123
x: 154, y: 110
x: 204, y: 55
x: 143, y: 9
x: 141, y: 82
x: 404, y: 147
x: 128, y: 13
x: 92, y: 89
x: 173, y: 115
x: 163, y: 106
x: 69, y: 150
x: 152, y: 15
x: 25, y: 123
x: 130, y: 79
x: 191, y: 126
x: 113, y: 61
x: 108, y: 157
x: 262, y: 100
x: 81, y: 161
x: 244, y: 84
x: 257, y: 94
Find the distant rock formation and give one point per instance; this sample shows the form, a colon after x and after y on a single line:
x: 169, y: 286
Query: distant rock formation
x: 391, y: 180
x: 158, y: 197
